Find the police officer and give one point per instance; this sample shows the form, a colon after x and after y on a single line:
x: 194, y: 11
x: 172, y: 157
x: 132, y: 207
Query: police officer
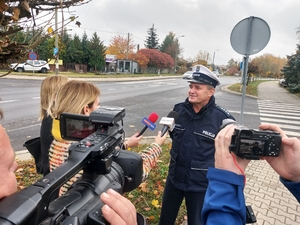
x: 192, y: 152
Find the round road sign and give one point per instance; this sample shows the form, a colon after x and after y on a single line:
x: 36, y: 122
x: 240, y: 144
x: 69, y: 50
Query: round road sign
x: 250, y: 36
x: 32, y: 55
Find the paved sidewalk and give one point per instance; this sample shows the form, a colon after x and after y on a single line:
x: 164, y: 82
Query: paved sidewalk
x: 271, y: 90
x: 271, y: 202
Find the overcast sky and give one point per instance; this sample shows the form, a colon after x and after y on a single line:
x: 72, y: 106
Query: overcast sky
x: 205, y: 24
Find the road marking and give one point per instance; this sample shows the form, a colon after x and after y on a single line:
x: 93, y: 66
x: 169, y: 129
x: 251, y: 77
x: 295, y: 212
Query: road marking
x: 248, y: 113
x: 8, y: 101
x: 22, y: 128
x: 286, y: 116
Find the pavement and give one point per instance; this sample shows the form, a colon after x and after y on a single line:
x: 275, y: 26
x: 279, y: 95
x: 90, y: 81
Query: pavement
x: 271, y: 202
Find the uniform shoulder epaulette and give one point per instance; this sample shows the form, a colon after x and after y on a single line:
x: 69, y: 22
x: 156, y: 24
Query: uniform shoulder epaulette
x: 223, y: 110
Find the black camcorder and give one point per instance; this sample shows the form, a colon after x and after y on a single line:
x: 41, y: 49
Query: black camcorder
x: 252, y: 143
x: 104, y: 166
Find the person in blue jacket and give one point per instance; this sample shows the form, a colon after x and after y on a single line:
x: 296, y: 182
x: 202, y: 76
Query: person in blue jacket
x: 192, y: 152
x: 224, y: 201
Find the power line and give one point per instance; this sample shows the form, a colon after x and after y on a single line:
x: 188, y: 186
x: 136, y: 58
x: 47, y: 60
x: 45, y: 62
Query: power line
x: 103, y: 31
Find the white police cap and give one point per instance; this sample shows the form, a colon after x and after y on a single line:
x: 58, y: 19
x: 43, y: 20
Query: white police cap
x: 202, y: 75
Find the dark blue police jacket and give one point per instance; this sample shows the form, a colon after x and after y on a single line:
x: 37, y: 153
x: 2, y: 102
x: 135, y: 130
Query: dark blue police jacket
x: 193, y: 144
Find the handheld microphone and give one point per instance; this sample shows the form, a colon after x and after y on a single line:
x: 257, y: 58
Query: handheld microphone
x: 149, y: 122
x: 168, y: 122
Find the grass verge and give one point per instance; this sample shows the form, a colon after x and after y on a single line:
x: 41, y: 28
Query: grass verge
x: 251, y: 89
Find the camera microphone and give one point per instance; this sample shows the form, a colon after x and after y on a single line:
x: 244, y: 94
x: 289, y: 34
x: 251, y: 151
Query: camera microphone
x: 149, y: 122
x: 168, y: 122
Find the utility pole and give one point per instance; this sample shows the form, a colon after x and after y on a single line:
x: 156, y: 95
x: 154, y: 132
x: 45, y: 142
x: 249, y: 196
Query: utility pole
x: 176, y: 52
x: 127, y: 46
x: 213, y: 63
x: 56, y: 44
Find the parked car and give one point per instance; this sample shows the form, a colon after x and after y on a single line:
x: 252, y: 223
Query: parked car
x: 187, y: 75
x: 283, y: 83
x: 216, y: 72
x: 31, y: 66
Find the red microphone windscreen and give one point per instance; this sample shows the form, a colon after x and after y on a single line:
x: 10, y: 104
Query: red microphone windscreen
x: 153, y: 117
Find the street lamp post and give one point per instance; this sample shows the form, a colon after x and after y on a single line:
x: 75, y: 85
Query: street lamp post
x: 213, y: 63
x: 176, y: 52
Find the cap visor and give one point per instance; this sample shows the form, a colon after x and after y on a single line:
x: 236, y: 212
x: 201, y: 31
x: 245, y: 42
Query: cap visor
x: 195, y: 81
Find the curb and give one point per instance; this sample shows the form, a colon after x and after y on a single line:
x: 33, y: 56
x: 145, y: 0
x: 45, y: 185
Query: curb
x: 225, y: 88
x: 104, y: 79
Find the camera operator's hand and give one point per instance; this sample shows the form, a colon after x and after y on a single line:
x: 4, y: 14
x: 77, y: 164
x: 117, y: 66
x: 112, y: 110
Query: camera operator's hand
x: 287, y: 163
x: 118, y: 210
x: 160, y: 140
x: 133, y: 141
x: 224, y: 159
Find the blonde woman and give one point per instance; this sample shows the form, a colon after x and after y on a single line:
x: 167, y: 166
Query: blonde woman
x: 78, y: 97
x: 49, y: 88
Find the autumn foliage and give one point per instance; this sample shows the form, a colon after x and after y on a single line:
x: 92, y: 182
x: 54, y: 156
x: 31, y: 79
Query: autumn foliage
x: 157, y: 59
x: 120, y: 46
x: 123, y: 48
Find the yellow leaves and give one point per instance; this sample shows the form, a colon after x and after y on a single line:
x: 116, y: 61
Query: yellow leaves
x: 50, y: 30
x: 143, y: 187
x: 130, y: 195
x: 26, y: 173
x: 155, y: 203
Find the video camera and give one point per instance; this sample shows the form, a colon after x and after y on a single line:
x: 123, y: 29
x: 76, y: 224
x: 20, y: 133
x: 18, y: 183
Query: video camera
x: 104, y: 166
x: 251, y: 143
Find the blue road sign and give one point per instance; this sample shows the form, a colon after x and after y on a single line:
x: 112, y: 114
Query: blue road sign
x: 32, y: 56
x: 55, y: 51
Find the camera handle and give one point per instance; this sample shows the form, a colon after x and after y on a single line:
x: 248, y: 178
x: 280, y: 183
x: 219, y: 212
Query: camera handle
x: 250, y: 217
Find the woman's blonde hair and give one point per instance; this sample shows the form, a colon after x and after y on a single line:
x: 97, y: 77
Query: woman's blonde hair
x: 49, y: 88
x: 73, y: 96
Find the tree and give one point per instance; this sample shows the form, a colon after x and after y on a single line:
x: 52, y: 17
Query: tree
x: 15, y: 15
x: 291, y: 71
x: 154, y: 57
x: 78, y: 52
x: 97, y: 53
x: 232, y: 63
x: 140, y: 58
x: 73, y: 50
x: 171, y: 46
x: 85, y: 48
x: 152, y: 39
x: 169, y: 62
x: 157, y: 59
x: 65, y: 56
x: 168, y: 44
x: 253, y: 68
x: 121, y: 46
x: 202, y: 58
x: 269, y: 65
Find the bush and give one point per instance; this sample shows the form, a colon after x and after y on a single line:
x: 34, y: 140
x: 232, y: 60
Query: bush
x: 294, y: 88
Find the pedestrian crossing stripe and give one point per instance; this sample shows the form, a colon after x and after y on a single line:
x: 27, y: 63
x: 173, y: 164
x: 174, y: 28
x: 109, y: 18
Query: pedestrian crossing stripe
x: 286, y: 116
